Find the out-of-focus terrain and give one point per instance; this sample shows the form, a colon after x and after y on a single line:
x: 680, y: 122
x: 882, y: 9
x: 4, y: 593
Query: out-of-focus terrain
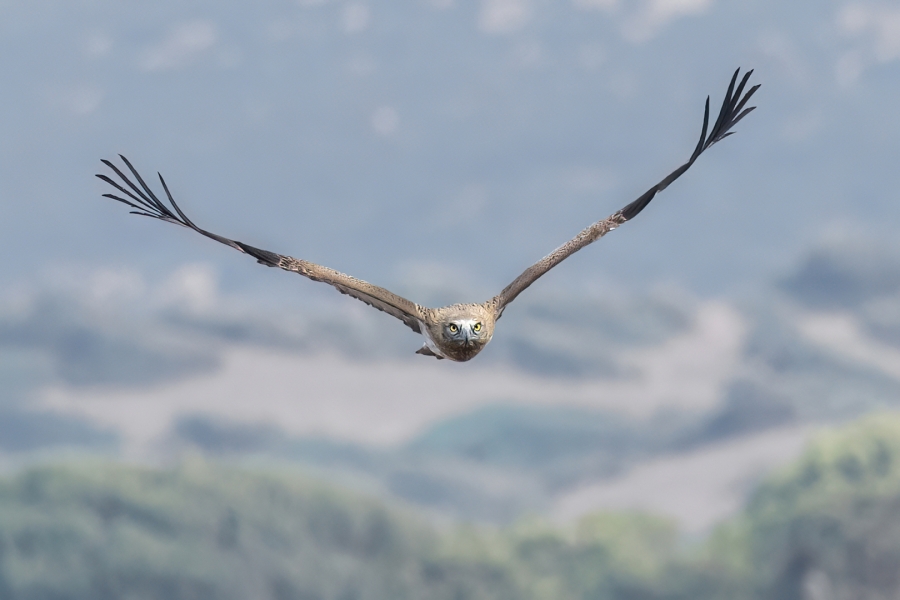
x: 824, y: 527
x: 659, y: 401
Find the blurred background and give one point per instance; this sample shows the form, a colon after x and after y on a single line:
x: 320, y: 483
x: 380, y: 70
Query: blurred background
x: 667, y: 414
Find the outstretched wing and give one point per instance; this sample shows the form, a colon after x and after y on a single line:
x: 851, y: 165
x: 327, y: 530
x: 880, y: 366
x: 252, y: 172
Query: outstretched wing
x: 145, y: 203
x: 732, y: 111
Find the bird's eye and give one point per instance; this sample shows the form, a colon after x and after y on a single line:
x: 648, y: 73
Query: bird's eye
x: 453, y: 328
x: 476, y: 327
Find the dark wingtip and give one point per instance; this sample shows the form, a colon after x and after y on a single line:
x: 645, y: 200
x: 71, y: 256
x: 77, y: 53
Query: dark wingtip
x: 633, y: 209
x: 147, y: 204
x: 139, y: 196
x: 732, y: 108
x: 730, y: 114
x: 700, y: 144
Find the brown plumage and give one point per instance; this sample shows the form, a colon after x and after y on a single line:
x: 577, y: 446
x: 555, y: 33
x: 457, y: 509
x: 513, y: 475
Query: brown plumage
x: 460, y: 331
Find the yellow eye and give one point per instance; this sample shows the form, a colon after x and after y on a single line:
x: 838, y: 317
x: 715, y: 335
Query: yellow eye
x: 453, y: 328
x: 477, y: 327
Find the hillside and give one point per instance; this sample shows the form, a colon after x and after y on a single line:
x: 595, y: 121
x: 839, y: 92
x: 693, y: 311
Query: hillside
x: 826, y: 527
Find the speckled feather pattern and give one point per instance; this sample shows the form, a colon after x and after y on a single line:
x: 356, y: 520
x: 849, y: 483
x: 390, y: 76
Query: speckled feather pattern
x: 587, y: 236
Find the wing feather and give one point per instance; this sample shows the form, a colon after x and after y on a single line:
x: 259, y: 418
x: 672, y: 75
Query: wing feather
x: 141, y: 198
x: 729, y: 115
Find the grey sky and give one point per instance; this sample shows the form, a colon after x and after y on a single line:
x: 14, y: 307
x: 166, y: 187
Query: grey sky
x: 470, y: 137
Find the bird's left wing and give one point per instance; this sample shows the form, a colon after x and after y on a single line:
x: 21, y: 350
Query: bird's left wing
x: 141, y: 198
x: 732, y: 111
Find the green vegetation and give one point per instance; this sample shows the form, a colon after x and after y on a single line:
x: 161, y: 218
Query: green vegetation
x: 827, y: 526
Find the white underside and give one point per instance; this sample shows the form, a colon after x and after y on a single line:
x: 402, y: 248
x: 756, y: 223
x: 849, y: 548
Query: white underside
x: 430, y: 342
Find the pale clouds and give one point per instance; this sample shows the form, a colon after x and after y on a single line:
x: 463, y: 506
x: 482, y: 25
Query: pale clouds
x: 596, y: 4
x: 876, y: 29
x: 385, y: 120
x: 640, y: 20
x: 185, y: 43
x: 652, y: 16
x: 194, y: 287
x: 504, y: 16
x: 879, y: 23
x: 104, y: 289
x: 355, y: 18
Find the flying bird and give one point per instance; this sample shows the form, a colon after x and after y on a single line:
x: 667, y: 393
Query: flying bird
x: 460, y: 331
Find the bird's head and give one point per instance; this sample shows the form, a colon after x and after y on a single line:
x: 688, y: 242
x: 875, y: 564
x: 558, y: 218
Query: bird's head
x: 464, y: 333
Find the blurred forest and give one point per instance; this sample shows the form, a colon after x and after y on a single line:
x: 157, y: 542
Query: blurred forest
x: 824, y: 527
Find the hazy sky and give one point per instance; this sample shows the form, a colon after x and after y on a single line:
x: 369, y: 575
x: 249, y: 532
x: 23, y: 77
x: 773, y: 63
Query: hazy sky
x: 410, y: 141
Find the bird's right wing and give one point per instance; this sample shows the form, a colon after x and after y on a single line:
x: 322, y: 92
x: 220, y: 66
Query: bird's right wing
x: 731, y: 112
x: 145, y: 203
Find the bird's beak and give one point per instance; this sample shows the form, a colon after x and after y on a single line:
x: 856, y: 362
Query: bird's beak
x: 466, y: 334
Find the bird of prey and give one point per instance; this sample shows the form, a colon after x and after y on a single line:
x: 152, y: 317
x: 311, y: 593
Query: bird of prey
x: 460, y: 331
